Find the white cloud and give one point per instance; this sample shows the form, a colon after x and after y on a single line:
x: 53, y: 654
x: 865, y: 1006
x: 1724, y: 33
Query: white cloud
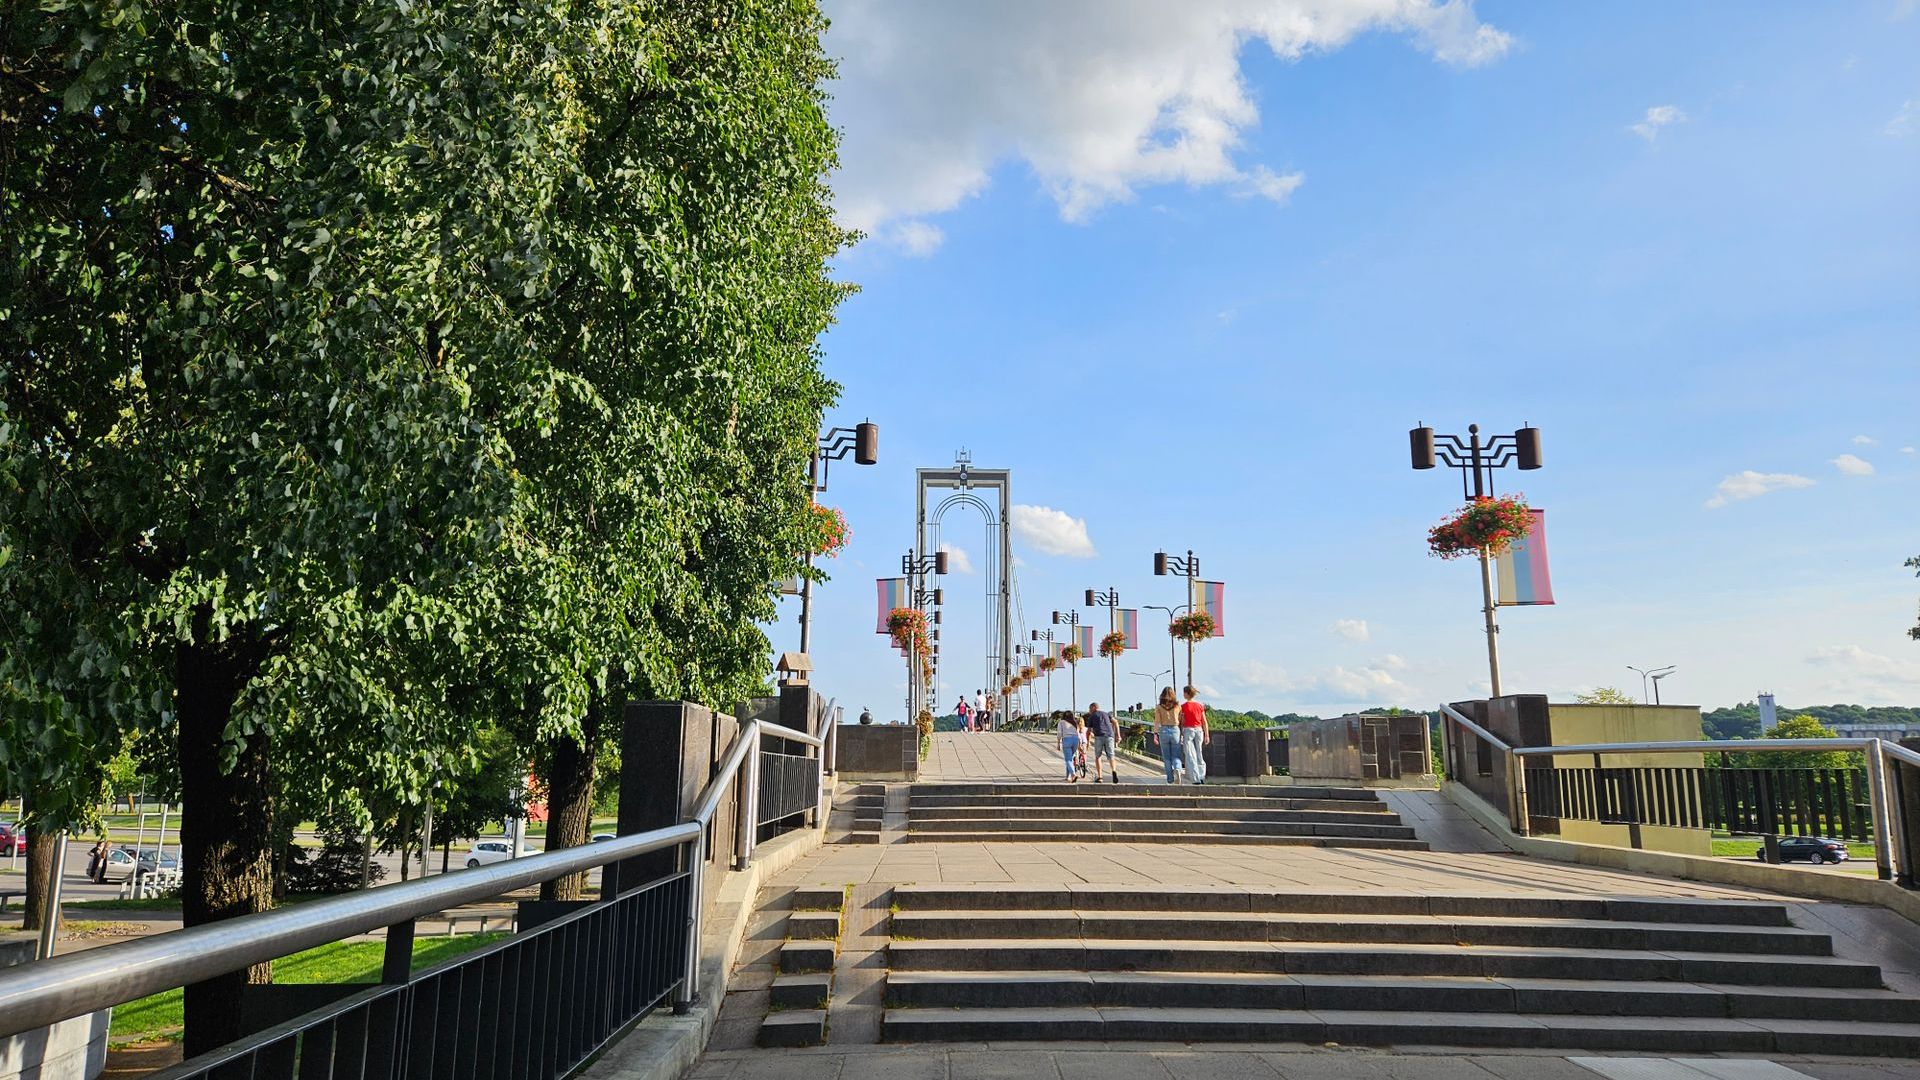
x: 1052, y: 532
x: 1393, y: 662
x: 1903, y: 122
x: 1860, y: 673
x: 1372, y: 684
x: 1352, y: 629
x: 1910, y: 450
x: 958, y: 561
x: 1865, y: 440
x: 1750, y: 484
x: 1853, y: 466
x: 1659, y: 116
x: 1853, y: 656
x: 913, y: 237
x: 1095, y: 98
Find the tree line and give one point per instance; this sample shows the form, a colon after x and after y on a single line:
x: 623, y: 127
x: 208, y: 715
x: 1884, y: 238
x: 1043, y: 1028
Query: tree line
x: 390, y: 392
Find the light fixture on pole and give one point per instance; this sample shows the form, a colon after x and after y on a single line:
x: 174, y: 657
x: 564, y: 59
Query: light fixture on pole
x: 863, y: 442
x: 1476, y: 461
x: 1171, y: 613
x: 1071, y: 618
x: 1111, y: 601
x: 1654, y: 675
x: 1155, y: 680
x: 1189, y: 567
x: 915, y: 567
x: 1047, y: 636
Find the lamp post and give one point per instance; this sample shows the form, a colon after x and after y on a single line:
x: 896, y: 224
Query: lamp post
x: 1111, y: 601
x: 1171, y: 612
x: 863, y: 442
x: 1047, y: 636
x: 1164, y: 564
x: 1071, y: 618
x: 1155, y: 680
x: 915, y: 567
x: 1476, y: 461
x: 1027, y: 651
x: 1655, y: 674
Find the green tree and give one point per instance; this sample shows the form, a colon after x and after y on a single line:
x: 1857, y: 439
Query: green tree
x: 1603, y: 695
x: 1800, y: 727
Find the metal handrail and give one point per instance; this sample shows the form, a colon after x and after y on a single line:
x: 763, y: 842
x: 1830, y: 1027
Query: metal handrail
x: 1698, y: 746
x: 1485, y: 736
x: 47, y: 991
x: 1911, y: 757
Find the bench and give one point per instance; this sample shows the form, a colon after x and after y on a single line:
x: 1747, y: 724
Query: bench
x: 8, y: 894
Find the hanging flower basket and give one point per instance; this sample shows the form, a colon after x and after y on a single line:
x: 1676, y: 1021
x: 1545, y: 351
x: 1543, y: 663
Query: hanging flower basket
x: 1071, y: 654
x: 1048, y: 663
x: 1113, y: 644
x: 1015, y: 683
x: 1026, y: 673
x: 828, y: 531
x: 1196, y: 626
x: 906, y: 626
x: 1489, y: 524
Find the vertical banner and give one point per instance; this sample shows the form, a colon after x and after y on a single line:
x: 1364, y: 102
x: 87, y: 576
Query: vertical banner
x: 1053, y: 650
x: 892, y: 593
x: 1130, y: 626
x: 1211, y: 597
x: 1522, y: 569
x: 1089, y: 642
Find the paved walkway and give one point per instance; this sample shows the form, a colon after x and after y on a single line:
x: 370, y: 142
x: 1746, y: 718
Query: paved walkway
x: 998, y: 755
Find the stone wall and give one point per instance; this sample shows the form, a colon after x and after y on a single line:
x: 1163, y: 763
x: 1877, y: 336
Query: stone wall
x: 878, y: 752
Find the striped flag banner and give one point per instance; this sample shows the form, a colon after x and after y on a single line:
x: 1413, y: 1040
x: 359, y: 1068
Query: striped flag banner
x: 1130, y: 626
x: 1211, y: 597
x: 1524, y: 581
x: 892, y: 593
x: 1089, y: 642
x: 1053, y: 649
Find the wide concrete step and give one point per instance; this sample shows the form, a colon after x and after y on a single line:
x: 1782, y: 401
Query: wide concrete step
x: 1109, y: 925
x: 1236, y: 990
x: 996, y: 789
x: 994, y: 812
x: 1103, y: 897
x: 1209, y: 825
x: 1386, y: 1028
x: 1351, y: 958
x: 1071, y: 836
x: 1162, y: 798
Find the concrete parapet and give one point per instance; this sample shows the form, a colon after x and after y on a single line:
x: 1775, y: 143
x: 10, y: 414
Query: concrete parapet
x: 878, y: 751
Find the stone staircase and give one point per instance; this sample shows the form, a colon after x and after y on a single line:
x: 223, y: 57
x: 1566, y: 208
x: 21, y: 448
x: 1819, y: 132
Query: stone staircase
x: 1116, y: 963
x: 1154, y: 813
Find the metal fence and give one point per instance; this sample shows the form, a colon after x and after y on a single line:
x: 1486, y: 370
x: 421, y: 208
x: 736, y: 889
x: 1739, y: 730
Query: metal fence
x: 1880, y: 803
x: 538, y: 1004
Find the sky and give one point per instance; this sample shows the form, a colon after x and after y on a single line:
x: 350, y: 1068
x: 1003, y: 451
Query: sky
x: 1191, y: 271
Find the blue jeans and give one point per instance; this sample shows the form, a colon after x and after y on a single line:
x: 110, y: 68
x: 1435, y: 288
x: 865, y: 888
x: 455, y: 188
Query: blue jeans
x: 1069, y: 749
x: 1194, y: 751
x: 1170, y: 750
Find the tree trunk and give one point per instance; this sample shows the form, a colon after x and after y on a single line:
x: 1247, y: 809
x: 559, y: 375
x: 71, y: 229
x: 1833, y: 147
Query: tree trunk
x: 226, y: 843
x: 570, y: 795
x: 40, y: 845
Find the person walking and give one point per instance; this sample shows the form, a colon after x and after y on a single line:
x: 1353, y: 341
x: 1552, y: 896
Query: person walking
x: 966, y: 717
x: 1166, y: 729
x: 986, y: 716
x: 1067, y: 738
x: 1104, y: 732
x: 97, y: 861
x: 1194, y: 736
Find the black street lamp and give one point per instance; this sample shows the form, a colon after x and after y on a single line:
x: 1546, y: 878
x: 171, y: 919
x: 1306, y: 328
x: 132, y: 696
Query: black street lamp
x: 1164, y: 564
x: 1111, y: 601
x: 915, y: 567
x: 863, y: 442
x: 1071, y: 618
x: 1476, y: 461
x: 1047, y: 636
x: 1173, y: 667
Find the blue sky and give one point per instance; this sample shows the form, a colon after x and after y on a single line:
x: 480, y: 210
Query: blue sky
x: 1192, y: 282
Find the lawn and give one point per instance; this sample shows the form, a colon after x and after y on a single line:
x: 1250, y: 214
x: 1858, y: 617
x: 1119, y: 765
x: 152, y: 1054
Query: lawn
x: 159, y: 1016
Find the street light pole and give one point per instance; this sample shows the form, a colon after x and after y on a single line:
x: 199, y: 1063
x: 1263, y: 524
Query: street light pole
x: 1164, y: 563
x: 915, y: 567
x: 1476, y: 461
x: 1171, y: 612
x: 1111, y: 601
x: 863, y: 441
x: 1071, y: 618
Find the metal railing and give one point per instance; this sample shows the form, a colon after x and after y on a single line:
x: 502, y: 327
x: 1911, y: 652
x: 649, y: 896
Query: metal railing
x: 539, y: 1003
x: 1888, y: 819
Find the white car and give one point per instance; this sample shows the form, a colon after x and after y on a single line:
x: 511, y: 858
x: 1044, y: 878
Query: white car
x: 489, y: 851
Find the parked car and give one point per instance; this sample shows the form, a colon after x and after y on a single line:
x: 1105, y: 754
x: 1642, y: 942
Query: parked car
x: 489, y: 851
x: 1817, y: 849
x: 168, y: 862
x: 13, y: 840
x: 120, y: 864
x: 600, y: 837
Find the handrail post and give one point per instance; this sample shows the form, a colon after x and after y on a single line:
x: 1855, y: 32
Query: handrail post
x: 748, y: 822
x: 1523, y: 820
x: 695, y: 852
x: 1877, y: 796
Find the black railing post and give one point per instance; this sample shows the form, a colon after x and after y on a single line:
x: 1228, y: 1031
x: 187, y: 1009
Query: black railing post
x: 1769, y: 821
x: 396, y: 968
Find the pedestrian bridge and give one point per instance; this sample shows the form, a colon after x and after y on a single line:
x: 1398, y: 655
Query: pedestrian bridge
x: 765, y: 915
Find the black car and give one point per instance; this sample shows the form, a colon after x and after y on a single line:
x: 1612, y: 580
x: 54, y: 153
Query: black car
x: 1810, y: 848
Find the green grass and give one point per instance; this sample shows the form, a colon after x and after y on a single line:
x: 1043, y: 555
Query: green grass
x: 161, y: 1016
x: 145, y: 903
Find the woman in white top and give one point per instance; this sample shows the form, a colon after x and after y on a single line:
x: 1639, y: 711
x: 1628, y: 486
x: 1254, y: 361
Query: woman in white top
x: 1068, y: 740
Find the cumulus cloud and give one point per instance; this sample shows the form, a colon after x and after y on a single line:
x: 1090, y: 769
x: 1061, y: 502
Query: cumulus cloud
x: 1863, y: 675
x: 912, y: 237
x: 1910, y: 450
x: 1855, y: 658
x: 1853, y: 466
x: 1864, y: 440
x: 958, y: 562
x: 1369, y: 683
x: 1052, y: 532
x: 1751, y: 485
x: 1658, y: 117
x: 1903, y: 122
x: 1095, y: 98
x: 1352, y: 629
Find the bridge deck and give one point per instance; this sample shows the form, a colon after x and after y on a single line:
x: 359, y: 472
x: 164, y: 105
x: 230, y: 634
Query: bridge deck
x: 1000, y: 755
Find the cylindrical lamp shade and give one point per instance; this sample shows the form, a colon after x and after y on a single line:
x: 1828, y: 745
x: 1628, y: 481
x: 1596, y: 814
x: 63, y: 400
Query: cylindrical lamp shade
x: 1159, y: 564
x: 1527, y: 439
x: 1089, y: 597
x: 940, y: 562
x: 939, y: 597
x: 866, y: 443
x: 1422, y: 440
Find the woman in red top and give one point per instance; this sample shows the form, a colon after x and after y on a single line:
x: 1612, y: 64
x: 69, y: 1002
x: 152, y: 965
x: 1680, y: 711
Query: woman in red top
x: 1194, y: 736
